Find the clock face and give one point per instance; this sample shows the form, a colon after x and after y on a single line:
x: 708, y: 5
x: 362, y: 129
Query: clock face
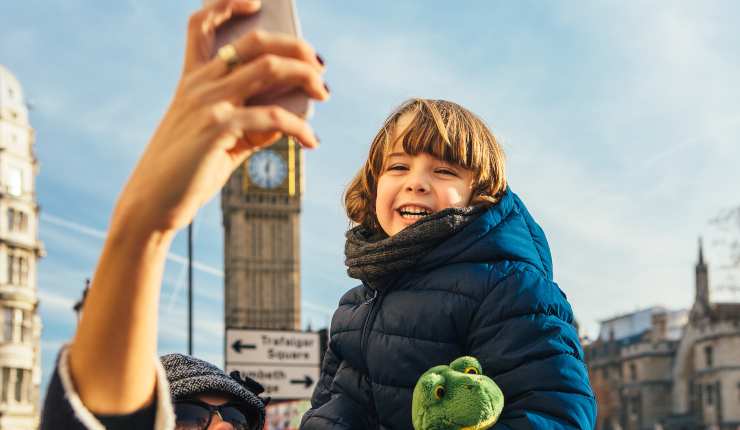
x: 267, y: 169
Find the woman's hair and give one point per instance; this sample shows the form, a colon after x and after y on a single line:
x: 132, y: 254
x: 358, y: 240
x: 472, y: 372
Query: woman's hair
x: 440, y: 128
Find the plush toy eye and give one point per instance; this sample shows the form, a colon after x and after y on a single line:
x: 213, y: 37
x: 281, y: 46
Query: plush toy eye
x: 470, y: 370
x: 439, y: 392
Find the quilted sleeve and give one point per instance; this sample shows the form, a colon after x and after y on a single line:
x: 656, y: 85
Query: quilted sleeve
x: 524, y: 337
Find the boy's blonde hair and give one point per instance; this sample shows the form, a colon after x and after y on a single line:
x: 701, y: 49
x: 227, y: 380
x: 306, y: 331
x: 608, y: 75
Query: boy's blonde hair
x: 440, y: 128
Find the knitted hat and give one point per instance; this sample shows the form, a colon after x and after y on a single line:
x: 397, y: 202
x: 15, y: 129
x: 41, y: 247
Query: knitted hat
x: 189, y: 376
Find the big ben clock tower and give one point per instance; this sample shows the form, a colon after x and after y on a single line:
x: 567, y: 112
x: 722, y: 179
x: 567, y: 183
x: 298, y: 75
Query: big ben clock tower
x: 261, y: 205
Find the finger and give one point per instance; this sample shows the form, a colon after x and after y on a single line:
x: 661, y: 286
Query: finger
x: 267, y: 119
x: 258, y: 43
x: 202, y: 25
x: 269, y: 73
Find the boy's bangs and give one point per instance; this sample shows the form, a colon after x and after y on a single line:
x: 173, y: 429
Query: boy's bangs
x: 452, y: 143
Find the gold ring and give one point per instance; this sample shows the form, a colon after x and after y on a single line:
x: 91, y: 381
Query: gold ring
x: 229, y: 55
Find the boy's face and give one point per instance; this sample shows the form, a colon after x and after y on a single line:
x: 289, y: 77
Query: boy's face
x: 413, y: 186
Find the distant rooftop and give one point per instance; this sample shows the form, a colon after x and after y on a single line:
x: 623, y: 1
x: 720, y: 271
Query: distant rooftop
x: 635, y: 323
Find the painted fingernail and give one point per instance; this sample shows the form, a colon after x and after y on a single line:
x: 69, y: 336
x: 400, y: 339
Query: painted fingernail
x: 326, y: 87
x: 319, y: 59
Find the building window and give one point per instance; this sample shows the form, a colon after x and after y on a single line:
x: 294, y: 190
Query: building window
x: 634, y: 406
x: 12, y: 269
x: 14, y: 181
x: 19, y: 377
x: 8, y: 323
x: 17, y: 220
x: 27, y: 327
x: 17, y: 269
x: 633, y: 372
x: 710, y: 394
x: 5, y: 383
x: 708, y: 356
x: 23, y: 265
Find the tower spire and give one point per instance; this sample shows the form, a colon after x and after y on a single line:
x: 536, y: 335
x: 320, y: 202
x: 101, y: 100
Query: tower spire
x: 702, y: 281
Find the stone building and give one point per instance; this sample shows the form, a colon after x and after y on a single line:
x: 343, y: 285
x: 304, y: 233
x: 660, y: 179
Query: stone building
x: 706, y: 372
x: 261, y: 206
x: 20, y: 368
x: 662, y: 369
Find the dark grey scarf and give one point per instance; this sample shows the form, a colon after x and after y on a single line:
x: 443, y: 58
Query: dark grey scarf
x: 372, y: 255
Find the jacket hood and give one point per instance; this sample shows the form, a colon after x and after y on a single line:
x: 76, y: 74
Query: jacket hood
x: 505, y: 231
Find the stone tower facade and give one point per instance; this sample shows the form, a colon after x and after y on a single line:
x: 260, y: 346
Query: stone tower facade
x: 261, y: 206
x: 20, y: 248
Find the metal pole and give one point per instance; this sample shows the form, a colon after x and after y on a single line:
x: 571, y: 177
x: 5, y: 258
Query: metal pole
x: 190, y: 289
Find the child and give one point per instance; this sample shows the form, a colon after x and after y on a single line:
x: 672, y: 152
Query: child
x: 451, y: 264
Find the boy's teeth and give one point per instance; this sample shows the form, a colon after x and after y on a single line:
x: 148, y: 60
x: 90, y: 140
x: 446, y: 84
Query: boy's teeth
x: 413, y: 212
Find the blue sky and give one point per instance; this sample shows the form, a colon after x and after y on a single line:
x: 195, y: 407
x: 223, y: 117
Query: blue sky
x: 620, y: 121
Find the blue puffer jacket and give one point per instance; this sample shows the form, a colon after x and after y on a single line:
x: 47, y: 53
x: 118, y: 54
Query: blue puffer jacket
x: 486, y: 292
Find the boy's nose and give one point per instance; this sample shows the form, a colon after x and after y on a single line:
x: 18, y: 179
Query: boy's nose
x: 417, y: 183
x: 417, y: 187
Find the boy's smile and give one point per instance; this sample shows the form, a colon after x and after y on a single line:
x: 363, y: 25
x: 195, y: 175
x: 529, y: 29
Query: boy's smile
x: 411, y: 187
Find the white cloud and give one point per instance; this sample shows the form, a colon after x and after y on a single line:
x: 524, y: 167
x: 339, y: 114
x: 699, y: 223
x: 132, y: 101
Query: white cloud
x: 56, y: 304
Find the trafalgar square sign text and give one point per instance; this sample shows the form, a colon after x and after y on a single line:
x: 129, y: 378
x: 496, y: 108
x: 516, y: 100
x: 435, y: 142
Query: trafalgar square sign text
x: 286, y: 363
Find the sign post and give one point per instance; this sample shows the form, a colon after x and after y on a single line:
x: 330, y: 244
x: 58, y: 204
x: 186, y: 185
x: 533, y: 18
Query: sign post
x: 286, y: 363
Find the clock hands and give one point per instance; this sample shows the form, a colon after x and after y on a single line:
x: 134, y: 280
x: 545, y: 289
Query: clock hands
x: 267, y: 169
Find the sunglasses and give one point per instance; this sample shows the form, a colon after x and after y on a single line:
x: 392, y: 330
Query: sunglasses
x: 197, y: 415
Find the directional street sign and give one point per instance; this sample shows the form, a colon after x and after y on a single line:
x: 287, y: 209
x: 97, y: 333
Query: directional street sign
x: 286, y: 363
x: 281, y: 382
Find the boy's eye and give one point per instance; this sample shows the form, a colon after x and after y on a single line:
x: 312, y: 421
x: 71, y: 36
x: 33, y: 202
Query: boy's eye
x: 446, y: 172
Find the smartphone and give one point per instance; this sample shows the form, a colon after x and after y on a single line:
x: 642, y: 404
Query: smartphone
x: 278, y: 16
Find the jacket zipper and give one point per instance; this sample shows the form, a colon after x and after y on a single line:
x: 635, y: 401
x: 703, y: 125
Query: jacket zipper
x: 368, y: 323
x: 369, y: 319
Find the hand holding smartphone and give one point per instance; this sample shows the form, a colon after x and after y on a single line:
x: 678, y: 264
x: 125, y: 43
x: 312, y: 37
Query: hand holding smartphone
x: 279, y: 16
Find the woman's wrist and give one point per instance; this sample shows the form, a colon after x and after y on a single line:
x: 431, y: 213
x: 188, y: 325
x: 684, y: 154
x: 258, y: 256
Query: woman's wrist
x: 133, y: 223
x: 126, y: 234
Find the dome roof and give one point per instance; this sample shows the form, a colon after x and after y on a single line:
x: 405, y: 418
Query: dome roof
x: 12, y: 104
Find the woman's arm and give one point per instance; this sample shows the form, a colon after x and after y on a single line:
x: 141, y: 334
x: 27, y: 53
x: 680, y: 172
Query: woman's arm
x: 205, y: 135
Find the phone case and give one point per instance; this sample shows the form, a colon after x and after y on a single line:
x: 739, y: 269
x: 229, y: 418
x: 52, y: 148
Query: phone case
x: 276, y: 16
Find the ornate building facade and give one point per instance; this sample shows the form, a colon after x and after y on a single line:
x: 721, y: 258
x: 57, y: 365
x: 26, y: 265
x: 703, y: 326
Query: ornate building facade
x: 661, y: 369
x: 20, y: 368
x: 261, y: 206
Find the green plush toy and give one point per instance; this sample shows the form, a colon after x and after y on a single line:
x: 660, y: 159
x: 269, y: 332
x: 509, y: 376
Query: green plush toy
x: 456, y: 397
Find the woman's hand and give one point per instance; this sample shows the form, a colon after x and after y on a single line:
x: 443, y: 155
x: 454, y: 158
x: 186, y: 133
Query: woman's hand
x: 207, y: 131
x: 205, y: 134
